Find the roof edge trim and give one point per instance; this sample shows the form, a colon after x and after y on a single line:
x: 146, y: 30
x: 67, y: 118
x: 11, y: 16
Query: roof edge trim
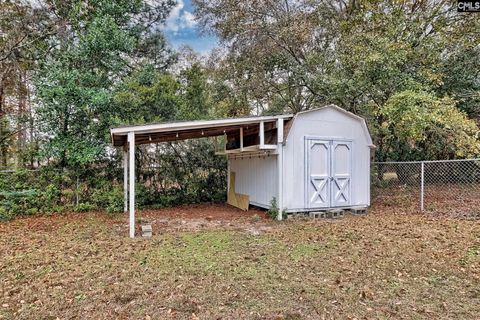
x: 197, y: 124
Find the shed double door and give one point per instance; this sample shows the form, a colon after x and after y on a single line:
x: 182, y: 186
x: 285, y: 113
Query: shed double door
x: 328, y: 173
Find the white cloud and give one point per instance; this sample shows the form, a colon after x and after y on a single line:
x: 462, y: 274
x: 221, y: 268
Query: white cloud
x: 179, y: 18
x: 189, y: 19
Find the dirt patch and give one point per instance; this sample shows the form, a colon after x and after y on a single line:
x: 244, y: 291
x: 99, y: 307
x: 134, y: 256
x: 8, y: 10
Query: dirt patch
x: 461, y: 202
x: 447, y: 200
x: 201, y: 216
x: 387, y: 264
x: 221, y: 212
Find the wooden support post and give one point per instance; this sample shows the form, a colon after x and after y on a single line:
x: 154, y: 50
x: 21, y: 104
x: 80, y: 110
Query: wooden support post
x: 225, y: 141
x: 280, y: 130
x: 131, y: 150
x: 241, y: 139
x: 125, y: 179
x: 280, y: 167
x: 228, y: 174
x: 262, y: 135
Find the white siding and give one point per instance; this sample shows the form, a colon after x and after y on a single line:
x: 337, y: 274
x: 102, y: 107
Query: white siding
x: 328, y: 124
x: 256, y: 176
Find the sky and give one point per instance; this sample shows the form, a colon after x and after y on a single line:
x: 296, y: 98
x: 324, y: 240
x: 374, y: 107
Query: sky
x: 182, y: 29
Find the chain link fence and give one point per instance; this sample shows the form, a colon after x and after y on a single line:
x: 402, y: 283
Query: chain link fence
x: 446, y: 187
x: 166, y: 175
x: 46, y: 190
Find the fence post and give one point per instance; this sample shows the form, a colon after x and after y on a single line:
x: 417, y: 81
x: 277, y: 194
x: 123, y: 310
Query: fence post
x: 422, y: 184
x: 77, y: 186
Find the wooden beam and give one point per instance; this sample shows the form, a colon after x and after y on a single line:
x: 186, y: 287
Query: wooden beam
x: 181, y: 135
x: 232, y: 132
x: 252, y: 129
x: 225, y: 141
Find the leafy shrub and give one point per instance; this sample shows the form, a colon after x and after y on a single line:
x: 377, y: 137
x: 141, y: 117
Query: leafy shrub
x: 54, y: 209
x: 84, y: 207
x: 273, y: 211
x: 115, y: 201
x: 31, y: 211
x: 16, y: 203
x: 5, y: 214
x: 68, y: 196
x: 108, y: 196
x: 50, y: 197
x: 184, y: 172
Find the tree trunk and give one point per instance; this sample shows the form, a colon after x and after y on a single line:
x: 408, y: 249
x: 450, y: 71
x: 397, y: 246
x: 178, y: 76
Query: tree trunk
x: 21, y: 132
x: 3, y: 129
x: 33, y: 142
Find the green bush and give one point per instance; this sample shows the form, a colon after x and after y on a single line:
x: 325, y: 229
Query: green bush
x: 54, y: 209
x: 68, y: 196
x: 108, y: 197
x: 51, y: 196
x: 16, y: 203
x: 115, y: 201
x: 186, y: 172
x: 5, y: 215
x: 84, y: 207
x: 273, y: 211
x: 31, y: 211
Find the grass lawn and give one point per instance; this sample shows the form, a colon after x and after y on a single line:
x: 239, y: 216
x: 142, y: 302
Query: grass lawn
x: 384, y: 265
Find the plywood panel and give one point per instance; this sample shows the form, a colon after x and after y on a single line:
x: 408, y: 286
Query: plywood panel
x: 238, y: 200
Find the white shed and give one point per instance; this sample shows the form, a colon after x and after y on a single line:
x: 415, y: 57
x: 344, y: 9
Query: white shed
x: 314, y: 160
x: 326, y: 164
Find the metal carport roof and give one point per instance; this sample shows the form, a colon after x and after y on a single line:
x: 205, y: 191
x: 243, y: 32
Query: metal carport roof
x: 172, y: 131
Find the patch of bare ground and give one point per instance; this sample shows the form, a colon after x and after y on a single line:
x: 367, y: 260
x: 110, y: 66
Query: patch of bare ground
x: 445, y: 200
x: 215, y: 262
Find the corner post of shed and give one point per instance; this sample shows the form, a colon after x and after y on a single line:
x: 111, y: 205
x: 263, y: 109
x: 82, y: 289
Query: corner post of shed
x: 280, y: 167
x: 261, y: 133
x: 131, y: 150
x: 125, y: 177
x: 241, y: 139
